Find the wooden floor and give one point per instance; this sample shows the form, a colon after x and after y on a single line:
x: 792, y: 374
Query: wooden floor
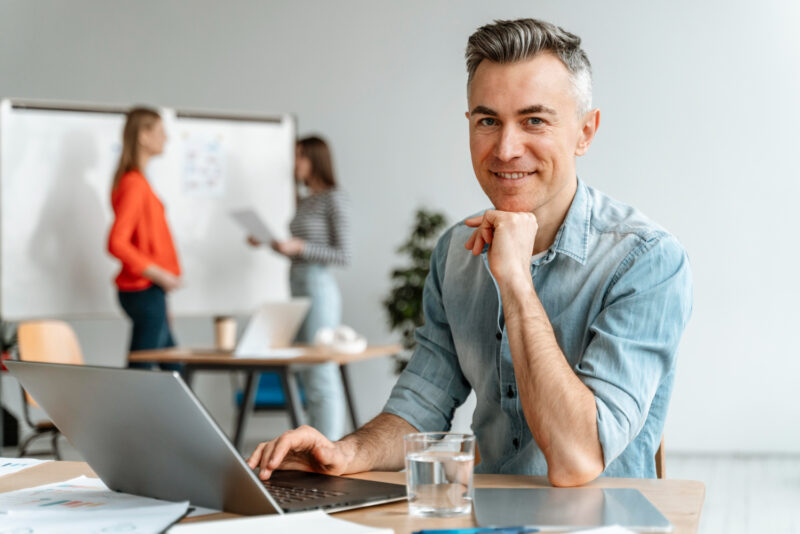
x: 744, y: 494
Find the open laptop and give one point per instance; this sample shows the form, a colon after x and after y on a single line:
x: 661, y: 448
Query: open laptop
x: 272, y: 327
x: 144, y: 432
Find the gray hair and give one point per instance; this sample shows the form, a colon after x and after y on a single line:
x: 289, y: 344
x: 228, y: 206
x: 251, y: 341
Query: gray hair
x: 509, y: 41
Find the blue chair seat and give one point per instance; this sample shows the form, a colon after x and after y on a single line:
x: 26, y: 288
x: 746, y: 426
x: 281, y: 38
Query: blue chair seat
x: 269, y: 393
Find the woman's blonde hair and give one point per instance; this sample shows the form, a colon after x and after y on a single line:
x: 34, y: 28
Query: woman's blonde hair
x: 137, y: 119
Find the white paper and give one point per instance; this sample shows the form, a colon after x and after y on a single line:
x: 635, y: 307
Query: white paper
x: 297, y: 523
x: 254, y: 225
x: 275, y: 354
x: 604, y: 530
x: 12, y: 465
x: 84, y: 505
x: 147, y: 520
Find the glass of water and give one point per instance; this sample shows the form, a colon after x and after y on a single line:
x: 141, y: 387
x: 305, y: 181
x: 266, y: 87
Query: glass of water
x: 439, y: 473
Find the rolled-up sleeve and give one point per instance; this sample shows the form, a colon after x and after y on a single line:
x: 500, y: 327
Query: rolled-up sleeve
x: 432, y: 386
x: 635, y: 337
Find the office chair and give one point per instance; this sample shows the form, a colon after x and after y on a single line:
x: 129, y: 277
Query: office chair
x: 661, y: 460
x: 269, y: 394
x: 49, y: 342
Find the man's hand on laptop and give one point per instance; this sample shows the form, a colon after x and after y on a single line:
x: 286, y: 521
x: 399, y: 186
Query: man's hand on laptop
x: 304, y: 449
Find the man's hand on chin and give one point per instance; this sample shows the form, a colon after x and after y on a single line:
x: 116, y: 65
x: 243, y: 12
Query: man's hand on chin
x: 510, y: 236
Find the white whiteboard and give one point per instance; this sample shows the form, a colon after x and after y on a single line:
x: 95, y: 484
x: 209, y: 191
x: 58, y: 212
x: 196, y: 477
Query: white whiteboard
x: 56, y: 167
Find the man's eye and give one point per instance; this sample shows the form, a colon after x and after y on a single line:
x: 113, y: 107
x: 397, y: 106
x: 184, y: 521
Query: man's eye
x: 534, y: 121
x: 487, y: 121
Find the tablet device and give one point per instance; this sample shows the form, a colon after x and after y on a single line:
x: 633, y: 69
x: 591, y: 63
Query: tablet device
x: 560, y: 509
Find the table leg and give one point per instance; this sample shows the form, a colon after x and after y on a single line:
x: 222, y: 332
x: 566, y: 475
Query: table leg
x: 293, y: 403
x: 348, y: 395
x: 245, y: 410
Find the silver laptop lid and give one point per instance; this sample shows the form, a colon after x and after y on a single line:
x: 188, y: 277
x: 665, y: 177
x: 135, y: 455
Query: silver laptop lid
x: 144, y: 432
x: 559, y: 509
x: 273, y: 325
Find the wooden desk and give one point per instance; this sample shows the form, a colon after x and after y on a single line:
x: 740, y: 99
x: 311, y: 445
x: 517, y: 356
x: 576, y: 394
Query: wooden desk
x: 681, y: 501
x: 210, y: 359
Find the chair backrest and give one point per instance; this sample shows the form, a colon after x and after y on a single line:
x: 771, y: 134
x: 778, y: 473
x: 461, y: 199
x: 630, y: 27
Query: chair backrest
x: 48, y: 341
x: 661, y: 460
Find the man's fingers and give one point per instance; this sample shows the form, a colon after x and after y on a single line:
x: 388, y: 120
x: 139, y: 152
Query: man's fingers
x: 474, y: 221
x: 264, y: 471
x: 253, y: 461
x: 470, y: 241
x: 282, y: 446
x: 477, y: 245
x: 487, y: 232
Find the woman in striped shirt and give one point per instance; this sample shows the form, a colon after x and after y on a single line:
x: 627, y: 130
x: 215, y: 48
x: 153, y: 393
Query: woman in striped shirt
x: 320, y: 238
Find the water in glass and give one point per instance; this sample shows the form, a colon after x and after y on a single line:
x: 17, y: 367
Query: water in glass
x: 439, y: 479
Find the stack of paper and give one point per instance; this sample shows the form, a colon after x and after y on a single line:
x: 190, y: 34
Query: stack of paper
x: 12, y: 465
x: 84, y: 505
x: 297, y: 523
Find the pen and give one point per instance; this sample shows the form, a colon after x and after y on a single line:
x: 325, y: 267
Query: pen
x: 479, y: 530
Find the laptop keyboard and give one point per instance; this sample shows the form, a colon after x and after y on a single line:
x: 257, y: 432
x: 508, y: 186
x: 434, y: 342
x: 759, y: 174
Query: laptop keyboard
x: 285, y: 494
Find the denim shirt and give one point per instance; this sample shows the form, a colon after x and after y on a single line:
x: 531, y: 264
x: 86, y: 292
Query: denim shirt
x: 617, y: 289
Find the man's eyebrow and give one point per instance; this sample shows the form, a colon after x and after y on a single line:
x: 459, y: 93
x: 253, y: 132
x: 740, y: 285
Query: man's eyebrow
x: 538, y: 108
x: 483, y: 110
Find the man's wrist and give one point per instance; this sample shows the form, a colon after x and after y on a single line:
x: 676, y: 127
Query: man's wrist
x: 518, y: 284
x: 349, y: 446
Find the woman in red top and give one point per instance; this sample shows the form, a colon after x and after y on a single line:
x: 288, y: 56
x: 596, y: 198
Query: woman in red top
x: 140, y: 237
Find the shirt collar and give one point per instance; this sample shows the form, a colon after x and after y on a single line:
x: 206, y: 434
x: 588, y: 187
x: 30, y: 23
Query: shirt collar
x: 572, y: 238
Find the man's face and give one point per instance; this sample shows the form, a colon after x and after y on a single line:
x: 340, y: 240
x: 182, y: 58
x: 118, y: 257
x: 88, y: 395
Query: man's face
x: 525, y: 132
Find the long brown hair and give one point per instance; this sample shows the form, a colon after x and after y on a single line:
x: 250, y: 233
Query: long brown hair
x: 138, y: 119
x: 316, y: 150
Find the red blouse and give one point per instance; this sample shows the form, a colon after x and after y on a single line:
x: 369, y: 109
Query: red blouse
x: 140, y: 236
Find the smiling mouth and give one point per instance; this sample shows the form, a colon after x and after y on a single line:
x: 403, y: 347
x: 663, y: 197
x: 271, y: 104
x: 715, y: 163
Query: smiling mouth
x: 513, y: 175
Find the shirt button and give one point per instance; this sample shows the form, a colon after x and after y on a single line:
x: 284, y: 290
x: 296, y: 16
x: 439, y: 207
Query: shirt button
x: 510, y: 392
x: 515, y: 442
x: 499, y: 336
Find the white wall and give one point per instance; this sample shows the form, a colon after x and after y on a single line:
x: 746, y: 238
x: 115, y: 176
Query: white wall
x: 698, y: 130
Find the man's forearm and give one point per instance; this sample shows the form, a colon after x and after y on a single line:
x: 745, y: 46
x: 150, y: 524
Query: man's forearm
x: 378, y: 445
x: 559, y: 409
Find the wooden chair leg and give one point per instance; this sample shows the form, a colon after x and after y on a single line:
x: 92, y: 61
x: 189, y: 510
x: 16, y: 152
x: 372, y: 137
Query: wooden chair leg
x: 56, y: 452
x: 23, y: 447
x: 661, y: 467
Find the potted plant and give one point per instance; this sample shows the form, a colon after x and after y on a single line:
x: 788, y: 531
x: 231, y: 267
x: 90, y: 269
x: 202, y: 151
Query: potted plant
x: 404, y: 303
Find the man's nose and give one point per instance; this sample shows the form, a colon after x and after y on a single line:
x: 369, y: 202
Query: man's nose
x: 509, y: 145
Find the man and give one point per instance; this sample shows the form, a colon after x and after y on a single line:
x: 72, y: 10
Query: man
x: 565, y: 317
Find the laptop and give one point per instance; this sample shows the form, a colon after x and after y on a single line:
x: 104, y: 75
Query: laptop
x: 273, y: 326
x: 560, y: 509
x: 144, y: 432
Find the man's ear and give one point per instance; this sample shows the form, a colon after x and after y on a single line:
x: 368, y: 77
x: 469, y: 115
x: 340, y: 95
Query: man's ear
x: 466, y: 114
x: 591, y: 122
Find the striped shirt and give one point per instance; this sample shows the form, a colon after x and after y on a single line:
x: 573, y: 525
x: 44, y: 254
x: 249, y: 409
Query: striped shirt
x: 322, y: 220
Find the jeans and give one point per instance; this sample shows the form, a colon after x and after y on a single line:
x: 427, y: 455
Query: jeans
x: 322, y: 382
x: 148, y: 311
